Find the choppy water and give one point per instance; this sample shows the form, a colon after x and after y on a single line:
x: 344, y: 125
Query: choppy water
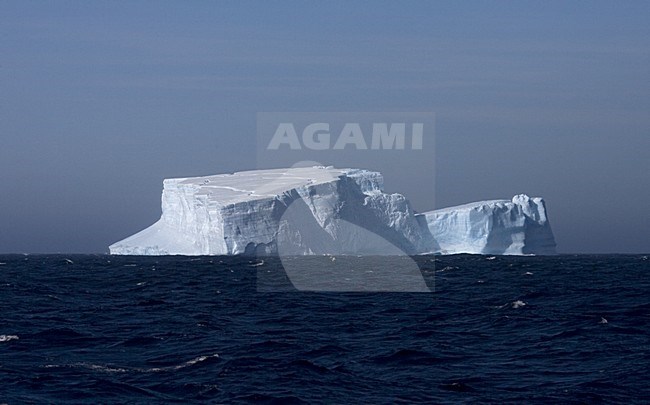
x: 569, y: 329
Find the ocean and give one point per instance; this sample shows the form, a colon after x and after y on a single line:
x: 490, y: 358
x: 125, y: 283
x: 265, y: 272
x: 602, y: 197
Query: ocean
x: 119, y: 329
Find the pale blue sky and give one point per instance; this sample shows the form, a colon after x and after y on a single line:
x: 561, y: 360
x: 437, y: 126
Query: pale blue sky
x: 102, y: 100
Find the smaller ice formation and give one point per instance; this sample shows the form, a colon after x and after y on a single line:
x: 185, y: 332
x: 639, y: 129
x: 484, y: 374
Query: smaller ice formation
x: 497, y: 227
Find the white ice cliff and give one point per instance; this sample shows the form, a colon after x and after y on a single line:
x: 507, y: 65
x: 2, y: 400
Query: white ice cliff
x: 500, y: 227
x: 323, y: 210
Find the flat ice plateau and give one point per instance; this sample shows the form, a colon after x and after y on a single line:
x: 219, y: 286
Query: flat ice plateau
x: 323, y: 210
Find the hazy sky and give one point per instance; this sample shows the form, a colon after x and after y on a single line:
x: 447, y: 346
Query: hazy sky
x: 99, y: 101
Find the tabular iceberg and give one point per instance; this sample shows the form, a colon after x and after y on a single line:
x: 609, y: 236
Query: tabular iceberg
x: 323, y: 210
x: 499, y: 227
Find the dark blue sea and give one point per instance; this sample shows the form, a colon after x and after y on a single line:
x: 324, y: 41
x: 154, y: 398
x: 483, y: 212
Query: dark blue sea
x: 118, y: 329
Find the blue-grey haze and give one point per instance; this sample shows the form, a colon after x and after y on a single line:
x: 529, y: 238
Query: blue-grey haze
x: 99, y: 101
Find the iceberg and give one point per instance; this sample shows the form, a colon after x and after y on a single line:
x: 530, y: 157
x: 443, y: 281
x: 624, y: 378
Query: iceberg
x: 323, y: 210
x: 497, y: 227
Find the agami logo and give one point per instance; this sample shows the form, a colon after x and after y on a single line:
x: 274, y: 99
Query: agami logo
x: 317, y: 136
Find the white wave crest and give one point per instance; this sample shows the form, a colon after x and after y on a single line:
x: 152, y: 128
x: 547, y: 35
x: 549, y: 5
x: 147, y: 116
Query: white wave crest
x: 518, y: 304
x: 115, y: 369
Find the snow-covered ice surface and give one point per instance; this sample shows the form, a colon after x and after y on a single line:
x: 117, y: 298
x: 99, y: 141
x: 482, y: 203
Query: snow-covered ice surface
x: 323, y: 210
